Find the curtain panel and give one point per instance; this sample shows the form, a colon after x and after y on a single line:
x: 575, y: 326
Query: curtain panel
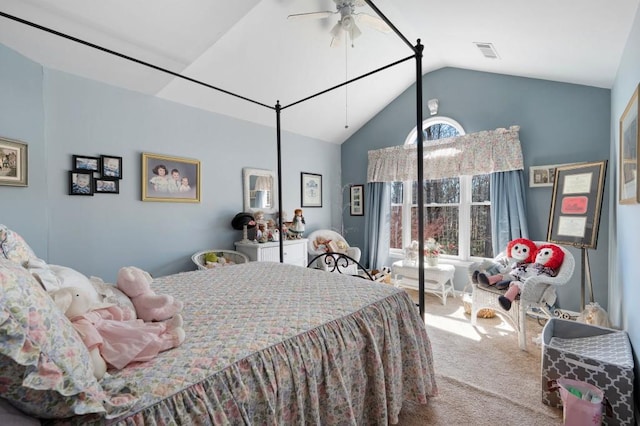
x: 476, y: 153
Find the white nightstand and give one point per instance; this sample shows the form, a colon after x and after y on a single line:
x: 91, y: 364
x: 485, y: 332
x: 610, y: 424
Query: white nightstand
x: 294, y: 251
x: 438, y: 279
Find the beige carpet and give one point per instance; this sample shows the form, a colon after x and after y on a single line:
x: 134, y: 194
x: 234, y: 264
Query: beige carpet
x: 482, y: 375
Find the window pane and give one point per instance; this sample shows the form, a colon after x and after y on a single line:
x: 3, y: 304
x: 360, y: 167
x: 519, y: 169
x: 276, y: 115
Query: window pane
x: 395, y: 234
x: 480, y: 189
x: 481, y: 231
x: 442, y: 191
x: 396, y: 193
x: 441, y: 223
x: 440, y: 131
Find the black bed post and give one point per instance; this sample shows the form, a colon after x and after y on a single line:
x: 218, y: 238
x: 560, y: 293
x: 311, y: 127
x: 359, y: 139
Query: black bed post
x: 420, y: 154
x: 279, y: 153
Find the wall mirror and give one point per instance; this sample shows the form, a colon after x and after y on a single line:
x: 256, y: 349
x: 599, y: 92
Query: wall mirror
x: 260, y: 190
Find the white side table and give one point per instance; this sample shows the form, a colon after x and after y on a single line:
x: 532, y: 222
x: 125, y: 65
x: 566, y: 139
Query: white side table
x: 438, y: 279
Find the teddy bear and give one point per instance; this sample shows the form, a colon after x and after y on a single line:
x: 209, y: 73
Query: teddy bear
x: 136, y: 284
x: 110, y: 339
x: 520, y: 252
x: 548, y: 259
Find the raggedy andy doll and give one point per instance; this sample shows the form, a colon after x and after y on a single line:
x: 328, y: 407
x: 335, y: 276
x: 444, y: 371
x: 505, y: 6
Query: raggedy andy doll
x: 520, y: 252
x: 548, y: 260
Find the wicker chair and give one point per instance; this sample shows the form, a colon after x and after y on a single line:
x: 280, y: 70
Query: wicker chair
x: 531, y: 295
x: 229, y: 255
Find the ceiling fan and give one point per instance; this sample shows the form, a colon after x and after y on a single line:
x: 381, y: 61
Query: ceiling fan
x: 347, y: 22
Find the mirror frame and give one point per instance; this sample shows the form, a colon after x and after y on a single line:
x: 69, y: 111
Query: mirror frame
x: 247, y: 172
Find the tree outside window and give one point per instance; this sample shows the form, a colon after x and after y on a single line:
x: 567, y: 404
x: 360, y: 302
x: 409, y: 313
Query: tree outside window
x: 456, y: 211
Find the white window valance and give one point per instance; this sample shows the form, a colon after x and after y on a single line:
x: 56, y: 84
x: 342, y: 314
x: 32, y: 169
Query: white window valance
x: 473, y: 154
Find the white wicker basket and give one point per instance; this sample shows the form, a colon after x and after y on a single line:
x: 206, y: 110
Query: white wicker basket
x: 231, y: 258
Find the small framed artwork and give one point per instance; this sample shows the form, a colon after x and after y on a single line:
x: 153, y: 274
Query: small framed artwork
x: 311, y: 189
x: 356, y: 201
x: 83, y: 163
x: 576, y: 203
x: 107, y: 186
x: 170, y: 179
x: 80, y: 182
x: 629, y: 192
x: 540, y: 176
x: 13, y: 163
x: 111, y: 166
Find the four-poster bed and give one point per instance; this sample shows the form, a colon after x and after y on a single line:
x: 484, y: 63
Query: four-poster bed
x: 316, y: 348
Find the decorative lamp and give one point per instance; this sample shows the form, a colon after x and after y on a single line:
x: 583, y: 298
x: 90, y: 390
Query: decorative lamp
x: 243, y: 221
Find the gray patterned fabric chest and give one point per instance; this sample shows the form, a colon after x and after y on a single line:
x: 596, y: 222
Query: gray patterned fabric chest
x: 595, y: 355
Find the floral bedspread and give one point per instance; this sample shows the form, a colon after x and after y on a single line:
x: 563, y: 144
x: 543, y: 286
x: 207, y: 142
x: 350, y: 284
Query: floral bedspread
x: 269, y: 343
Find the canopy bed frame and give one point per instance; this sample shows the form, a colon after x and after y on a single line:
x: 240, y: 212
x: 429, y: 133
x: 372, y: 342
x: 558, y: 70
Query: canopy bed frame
x: 417, y: 55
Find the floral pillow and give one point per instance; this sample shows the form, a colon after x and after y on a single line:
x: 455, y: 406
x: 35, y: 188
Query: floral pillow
x: 14, y: 247
x: 45, y: 369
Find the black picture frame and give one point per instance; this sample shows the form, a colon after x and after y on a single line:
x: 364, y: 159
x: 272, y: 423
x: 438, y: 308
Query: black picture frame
x: 576, y: 204
x: 111, y: 167
x: 84, y: 163
x: 81, y: 182
x: 356, y: 200
x: 310, y: 189
x: 106, y: 185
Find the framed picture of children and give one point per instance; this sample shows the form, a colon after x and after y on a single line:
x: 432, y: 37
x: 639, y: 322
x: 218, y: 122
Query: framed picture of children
x: 80, y: 182
x: 111, y: 166
x: 13, y: 163
x: 170, y: 179
x: 107, y: 186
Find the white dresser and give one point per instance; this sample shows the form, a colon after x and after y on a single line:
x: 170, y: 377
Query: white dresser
x: 294, y: 251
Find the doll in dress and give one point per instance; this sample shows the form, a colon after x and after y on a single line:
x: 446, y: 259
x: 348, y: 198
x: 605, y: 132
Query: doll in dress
x: 297, y: 225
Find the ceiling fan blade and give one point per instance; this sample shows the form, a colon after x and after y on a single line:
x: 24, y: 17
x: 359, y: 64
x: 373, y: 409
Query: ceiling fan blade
x: 373, y: 22
x: 311, y: 15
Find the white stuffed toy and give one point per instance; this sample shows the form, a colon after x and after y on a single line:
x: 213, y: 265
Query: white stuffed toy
x: 111, y: 340
x: 136, y: 283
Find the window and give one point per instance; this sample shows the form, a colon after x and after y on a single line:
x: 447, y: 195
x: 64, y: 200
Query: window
x: 456, y: 212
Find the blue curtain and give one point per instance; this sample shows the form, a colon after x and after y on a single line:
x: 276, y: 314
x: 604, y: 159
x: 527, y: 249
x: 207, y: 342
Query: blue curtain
x: 377, y: 215
x: 508, y: 208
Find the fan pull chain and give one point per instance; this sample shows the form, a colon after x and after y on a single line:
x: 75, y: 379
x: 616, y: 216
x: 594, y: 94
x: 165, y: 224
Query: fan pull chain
x: 346, y: 87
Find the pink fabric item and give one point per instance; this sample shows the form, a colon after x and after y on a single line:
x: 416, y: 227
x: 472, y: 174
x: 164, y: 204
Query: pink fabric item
x: 122, y: 342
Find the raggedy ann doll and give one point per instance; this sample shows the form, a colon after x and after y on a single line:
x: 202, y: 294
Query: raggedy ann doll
x: 520, y: 252
x: 548, y: 260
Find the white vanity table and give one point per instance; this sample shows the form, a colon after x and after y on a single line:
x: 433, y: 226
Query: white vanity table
x: 294, y: 251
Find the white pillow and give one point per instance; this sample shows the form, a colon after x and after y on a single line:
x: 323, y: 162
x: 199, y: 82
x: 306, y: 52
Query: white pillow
x: 68, y: 277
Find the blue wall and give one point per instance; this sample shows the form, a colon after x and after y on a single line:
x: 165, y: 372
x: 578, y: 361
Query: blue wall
x: 59, y: 115
x: 559, y: 123
x: 624, y: 288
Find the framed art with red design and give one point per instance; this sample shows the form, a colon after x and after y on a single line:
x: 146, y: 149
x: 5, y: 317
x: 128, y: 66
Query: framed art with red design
x: 576, y: 204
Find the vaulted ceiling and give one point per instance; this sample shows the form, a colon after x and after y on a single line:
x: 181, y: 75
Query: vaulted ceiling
x: 250, y: 48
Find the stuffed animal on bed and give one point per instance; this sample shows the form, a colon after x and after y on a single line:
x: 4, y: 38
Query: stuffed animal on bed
x: 548, y: 260
x: 520, y: 252
x: 111, y: 340
x: 136, y: 284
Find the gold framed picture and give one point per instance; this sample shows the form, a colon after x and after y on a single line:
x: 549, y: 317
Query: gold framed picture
x: 629, y: 138
x: 13, y: 163
x: 170, y: 179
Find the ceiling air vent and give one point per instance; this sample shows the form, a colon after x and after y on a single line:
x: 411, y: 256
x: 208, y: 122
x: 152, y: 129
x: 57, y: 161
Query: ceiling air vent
x: 487, y: 50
